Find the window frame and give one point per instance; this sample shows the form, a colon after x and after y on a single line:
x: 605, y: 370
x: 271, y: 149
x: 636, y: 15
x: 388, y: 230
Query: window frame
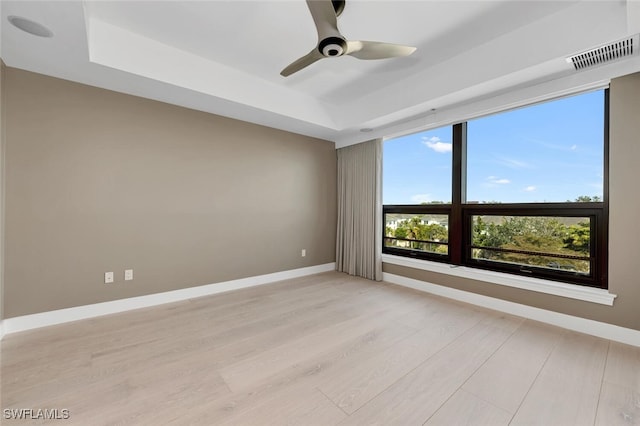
x: 461, y: 214
x: 420, y: 209
x: 591, y: 210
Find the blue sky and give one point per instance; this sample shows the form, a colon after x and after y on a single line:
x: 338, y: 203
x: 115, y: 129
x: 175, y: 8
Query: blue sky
x: 546, y: 152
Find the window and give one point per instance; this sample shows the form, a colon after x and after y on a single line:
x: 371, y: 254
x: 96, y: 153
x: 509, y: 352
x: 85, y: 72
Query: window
x: 417, y: 233
x: 550, y: 152
x: 406, y: 179
x: 527, y: 193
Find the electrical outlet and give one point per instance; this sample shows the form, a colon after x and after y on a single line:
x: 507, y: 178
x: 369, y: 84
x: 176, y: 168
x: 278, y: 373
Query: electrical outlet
x: 128, y: 274
x: 108, y: 277
x: 303, y: 253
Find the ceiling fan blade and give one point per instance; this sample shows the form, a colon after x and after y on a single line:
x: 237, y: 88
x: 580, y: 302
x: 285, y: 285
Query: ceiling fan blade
x: 377, y: 50
x: 301, y: 63
x: 324, y: 16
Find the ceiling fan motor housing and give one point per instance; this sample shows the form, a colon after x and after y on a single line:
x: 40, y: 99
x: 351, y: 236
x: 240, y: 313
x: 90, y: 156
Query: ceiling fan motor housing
x: 332, y: 46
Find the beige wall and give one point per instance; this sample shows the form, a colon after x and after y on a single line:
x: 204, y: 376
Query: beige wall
x: 624, y: 238
x: 99, y: 181
x: 2, y: 127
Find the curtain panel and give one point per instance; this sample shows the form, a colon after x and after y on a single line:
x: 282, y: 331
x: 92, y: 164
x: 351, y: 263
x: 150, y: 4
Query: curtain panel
x: 359, y: 233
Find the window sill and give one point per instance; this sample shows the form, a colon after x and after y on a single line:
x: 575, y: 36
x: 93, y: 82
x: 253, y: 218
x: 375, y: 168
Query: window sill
x: 572, y: 291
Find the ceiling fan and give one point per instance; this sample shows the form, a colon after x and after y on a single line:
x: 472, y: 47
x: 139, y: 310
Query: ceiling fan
x: 331, y: 43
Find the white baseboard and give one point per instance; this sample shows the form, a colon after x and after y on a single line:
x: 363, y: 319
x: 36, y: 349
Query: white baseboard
x: 582, y: 325
x: 28, y: 322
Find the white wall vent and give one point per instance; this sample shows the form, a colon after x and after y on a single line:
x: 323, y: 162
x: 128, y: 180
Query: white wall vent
x: 626, y: 47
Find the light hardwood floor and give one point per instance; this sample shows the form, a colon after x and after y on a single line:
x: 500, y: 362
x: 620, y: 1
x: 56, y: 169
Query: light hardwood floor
x: 328, y: 349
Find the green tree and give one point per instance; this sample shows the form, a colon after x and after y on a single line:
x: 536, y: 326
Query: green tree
x: 415, y: 228
x: 532, y: 234
x: 586, y: 199
x: 401, y: 232
x: 578, y: 237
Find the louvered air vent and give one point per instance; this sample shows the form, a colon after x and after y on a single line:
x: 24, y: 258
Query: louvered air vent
x: 607, y: 53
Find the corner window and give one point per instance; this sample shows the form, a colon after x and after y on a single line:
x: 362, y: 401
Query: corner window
x: 526, y: 194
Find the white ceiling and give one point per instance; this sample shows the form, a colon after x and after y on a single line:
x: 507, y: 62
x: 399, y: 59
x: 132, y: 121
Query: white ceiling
x: 225, y: 57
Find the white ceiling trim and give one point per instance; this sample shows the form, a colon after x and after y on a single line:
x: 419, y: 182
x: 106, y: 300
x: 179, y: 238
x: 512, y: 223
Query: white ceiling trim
x: 118, y: 48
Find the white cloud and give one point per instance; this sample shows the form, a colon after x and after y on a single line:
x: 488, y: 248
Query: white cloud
x: 495, y: 180
x: 530, y: 188
x: 437, y: 145
x: 574, y: 147
x: 421, y: 198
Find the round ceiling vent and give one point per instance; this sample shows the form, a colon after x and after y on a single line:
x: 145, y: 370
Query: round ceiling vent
x: 30, y: 26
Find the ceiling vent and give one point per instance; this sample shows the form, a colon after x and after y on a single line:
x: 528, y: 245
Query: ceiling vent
x: 626, y: 47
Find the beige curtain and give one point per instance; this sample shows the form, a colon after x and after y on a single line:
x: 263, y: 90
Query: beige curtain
x: 359, y: 237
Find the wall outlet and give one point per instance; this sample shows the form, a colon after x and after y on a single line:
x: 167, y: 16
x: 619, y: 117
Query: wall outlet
x: 108, y: 277
x: 128, y: 274
x: 303, y: 253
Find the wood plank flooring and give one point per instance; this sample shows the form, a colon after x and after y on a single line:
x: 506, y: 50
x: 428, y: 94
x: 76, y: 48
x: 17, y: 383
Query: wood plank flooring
x: 327, y: 349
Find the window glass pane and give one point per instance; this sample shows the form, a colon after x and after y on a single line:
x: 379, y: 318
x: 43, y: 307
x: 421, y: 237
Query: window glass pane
x: 417, y: 168
x: 422, y: 232
x: 550, y: 152
x: 558, y: 243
